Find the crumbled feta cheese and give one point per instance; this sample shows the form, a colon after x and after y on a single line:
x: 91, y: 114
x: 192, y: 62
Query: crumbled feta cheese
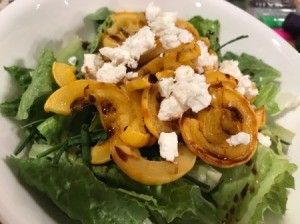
x: 165, y: 86
x: 188, y: 91
x: 264, y: 140
x: 163, y: 24
x: 131, y: 75
x: 72, y: 60
x: 205, y: 58
x: 152, y: 12
x: 110, y: 73
x: 245, y: 87
x: 168, y: 146
x: 230, y: 67
x: 91, y: 64
x: 183, y: 72
x: 169, y: 38
x: 184, y: 36
x: 171, y: 108
x: 132, y: 48
x: 193, y: 92
x: 239, y: 138
x: 118, y: 55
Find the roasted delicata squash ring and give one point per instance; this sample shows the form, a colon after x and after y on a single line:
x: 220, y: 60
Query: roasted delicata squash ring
x: 124, y: 24
x: 261, y: 116
x: 188, y: 26
x: 215, y: 78
x: 112, y: 103
x: 61, y: 101
x: 101, y: 153
x: 151, y: 172
x: 150, y: 103
x: 205, y: 133
x: 63, y: 73
x: 184, y: 54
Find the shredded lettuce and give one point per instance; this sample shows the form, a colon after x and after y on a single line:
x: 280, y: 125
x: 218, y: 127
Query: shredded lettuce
x: 247, y: 191
x: 42, y: 84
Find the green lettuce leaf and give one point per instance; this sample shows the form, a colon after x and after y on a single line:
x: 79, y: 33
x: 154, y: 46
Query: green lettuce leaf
x: 260, y: 72
x: 264, y: 77
x: 177, y: 202
x: 42, y: 84
x: 76, y: 191
x: 208, y: 28
x: 53, y: 127
x: 266, y: 96
x: 20, y: 74
x: 248, y: 191
x: 72, y: 49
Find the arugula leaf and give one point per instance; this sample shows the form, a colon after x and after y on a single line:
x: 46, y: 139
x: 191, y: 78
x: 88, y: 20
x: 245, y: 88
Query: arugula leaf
x: 75, y: 190
x: 101, y: 29
x: 100, y: 15
x: 103, y: 21
x: 247, y: 191
x: 208, y: 28
x: 42, y: 84
x: 177, y: 202
x: 10, y: 108
x: 20, y: 74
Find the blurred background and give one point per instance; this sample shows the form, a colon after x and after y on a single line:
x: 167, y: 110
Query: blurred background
x: 283, y: 16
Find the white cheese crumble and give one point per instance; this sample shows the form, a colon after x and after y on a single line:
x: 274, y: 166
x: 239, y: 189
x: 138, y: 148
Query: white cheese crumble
x: 72, y: 60
x: 131, y: 75
x: 165, y: 86
x: 188, y: 91
x: 230, y: 67
x: 163, y: 24
x: 264, y: 140
x: 171, y: 109
x: 92, y: 62
x: 239, y: 138
x: 111, y: 74
x: 132, y: 48
x: 245, y: 87
x: 205, y: 58
x: 168, y: 146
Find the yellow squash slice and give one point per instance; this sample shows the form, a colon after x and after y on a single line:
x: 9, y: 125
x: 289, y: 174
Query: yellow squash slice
x: 151, y: 172
x: 150, y: 103
x: 206, y: 132
x: 63, y: 74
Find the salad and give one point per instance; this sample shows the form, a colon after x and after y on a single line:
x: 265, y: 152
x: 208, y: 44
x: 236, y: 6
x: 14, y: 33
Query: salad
x: 153, y: 80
